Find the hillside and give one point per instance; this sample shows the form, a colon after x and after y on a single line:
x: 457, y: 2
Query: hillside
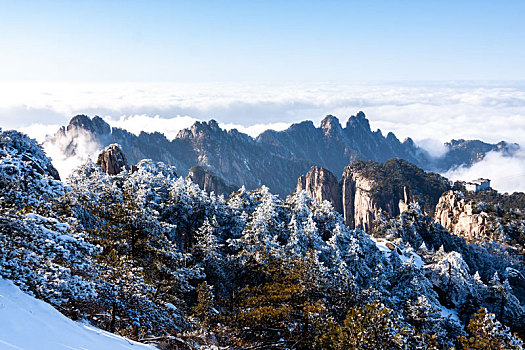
x: 148, y: 254
x: 28, y: 323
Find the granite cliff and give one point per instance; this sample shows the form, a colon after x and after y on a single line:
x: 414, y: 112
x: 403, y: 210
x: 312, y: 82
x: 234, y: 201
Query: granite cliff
x: 321, y: 185
x: 481, y: 216
x: 368, y: 189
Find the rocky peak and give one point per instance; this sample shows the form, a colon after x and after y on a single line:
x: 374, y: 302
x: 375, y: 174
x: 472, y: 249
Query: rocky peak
x: 306, y: 125
x: 95, y: 126
x: 321, y: 185
x: 209, y: 182
x: 213, y: 124
x: 358, y: 121
x: 200, y: 130
x: 330, y: 124
x: 391, y: 137
x: 112, y: 160
x: 409, y: 142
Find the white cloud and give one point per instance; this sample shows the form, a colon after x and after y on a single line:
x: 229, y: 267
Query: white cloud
x: 426, y: 112
x: 256, y: 129
x: 434, y: 147
x: 137, y: 123
x: 39, y: 131
x: 507, y: 174
x: 65, y: 163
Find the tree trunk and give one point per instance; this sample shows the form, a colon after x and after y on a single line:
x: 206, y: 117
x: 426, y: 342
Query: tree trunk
x: 113, y: 318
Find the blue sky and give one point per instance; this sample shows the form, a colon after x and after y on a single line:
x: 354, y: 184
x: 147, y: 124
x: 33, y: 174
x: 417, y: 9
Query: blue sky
x: 292, y: 41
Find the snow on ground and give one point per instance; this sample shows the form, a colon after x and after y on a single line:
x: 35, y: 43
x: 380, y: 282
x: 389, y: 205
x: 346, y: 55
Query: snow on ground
x: 449, y: 313
x: 405, y: 256
x: 28, y: 323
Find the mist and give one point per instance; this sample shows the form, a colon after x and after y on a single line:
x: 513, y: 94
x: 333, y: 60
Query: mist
x: 429, y: 113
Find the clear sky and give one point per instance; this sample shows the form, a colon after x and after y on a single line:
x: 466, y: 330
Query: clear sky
x: 187, y: 41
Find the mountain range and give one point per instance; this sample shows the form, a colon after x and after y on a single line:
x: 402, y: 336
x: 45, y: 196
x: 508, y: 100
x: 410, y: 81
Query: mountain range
x: 274, y: 158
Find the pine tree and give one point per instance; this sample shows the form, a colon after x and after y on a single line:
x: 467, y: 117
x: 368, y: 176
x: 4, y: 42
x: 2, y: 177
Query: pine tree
x: 372, y: 326
x: 485, y: 332
x: 204, y: 310
x: 282, y: 311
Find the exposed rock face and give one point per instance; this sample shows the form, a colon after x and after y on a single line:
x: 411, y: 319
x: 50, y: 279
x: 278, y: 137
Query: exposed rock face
x: 95, y: 126
x: 353, y: 196
x: 210, y: 182
x: 484, y: 215
x: 275, y: 159
x: 112, y: 160
x: 458, y: 216
x: 359, y: 206
x: 321, y: 185
x: 367, y: 189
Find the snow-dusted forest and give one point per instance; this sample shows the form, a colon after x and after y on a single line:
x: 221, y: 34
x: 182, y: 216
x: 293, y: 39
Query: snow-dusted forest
x: 150, y: 256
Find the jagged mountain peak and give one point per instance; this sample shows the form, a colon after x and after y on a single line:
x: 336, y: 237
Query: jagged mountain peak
x: 95, y: 125
x: 201, y: 128
x: 409, y: 141
x: 358, y: 121
x: 330, y: 122
x: 392, y: 137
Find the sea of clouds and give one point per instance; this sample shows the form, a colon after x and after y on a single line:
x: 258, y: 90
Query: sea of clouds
x: 430, y: 113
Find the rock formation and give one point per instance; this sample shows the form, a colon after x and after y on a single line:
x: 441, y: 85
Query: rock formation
x: 484, y: 215
x: 112, y: 160
x: 210, y: 182
x: 461, y: 217
x: 359, y: 206
x: 321, y: 185
x: 367, y: 189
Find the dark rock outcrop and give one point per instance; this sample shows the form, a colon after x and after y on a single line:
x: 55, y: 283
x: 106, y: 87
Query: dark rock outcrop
x: 210, y: 182
x: 96, y: 126
x: 112, y: 160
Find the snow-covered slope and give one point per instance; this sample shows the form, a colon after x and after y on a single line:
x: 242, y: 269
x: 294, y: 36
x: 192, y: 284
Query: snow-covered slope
x: 28, y: 323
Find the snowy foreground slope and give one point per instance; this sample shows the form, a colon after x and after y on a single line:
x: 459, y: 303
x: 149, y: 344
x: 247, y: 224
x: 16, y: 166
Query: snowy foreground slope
x: 28, y: 323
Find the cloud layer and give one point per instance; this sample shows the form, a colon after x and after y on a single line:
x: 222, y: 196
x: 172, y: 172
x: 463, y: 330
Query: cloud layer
x: 430, y: 113
x: 507, y: 174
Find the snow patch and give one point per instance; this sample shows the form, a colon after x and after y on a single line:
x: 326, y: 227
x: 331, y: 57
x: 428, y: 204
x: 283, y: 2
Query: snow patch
x: 29, y: 323
x: 449, y: 313
x: 405, y: 255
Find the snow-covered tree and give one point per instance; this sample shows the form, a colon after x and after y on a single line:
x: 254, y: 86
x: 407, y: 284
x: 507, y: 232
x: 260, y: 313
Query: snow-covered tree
x: 485, y: 332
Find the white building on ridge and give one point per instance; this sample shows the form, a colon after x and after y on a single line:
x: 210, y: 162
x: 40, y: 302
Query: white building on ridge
x: 478, y: 185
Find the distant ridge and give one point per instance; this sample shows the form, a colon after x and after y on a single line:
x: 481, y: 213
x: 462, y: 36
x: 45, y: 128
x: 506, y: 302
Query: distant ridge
x: 275, y: 158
